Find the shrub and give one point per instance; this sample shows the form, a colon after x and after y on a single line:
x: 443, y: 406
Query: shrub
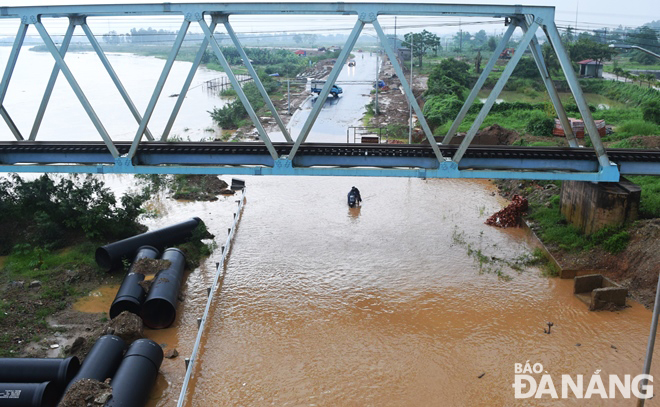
x: 541, y: 126
x: 439, y: 110
x: 651, y: 111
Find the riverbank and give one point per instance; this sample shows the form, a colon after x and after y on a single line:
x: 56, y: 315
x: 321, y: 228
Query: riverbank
x: 627, y: 255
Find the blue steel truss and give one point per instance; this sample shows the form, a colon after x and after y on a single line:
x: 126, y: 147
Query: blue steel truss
x: 208, y: 15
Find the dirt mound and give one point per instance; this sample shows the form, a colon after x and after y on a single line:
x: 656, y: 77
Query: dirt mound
x: 199, y: 187
x: 149, y: 266
x: 497, y: 135
x: 127, y: 326
x: 86, y: 392
x: 511, y: 216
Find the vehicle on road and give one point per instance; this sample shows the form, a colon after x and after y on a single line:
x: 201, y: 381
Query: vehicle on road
x: 317, y: 87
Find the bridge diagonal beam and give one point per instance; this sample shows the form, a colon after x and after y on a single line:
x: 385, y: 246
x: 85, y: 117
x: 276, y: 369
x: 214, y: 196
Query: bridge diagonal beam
x: 255, y: 77
x: 408, y: 89
x: 6, y: 77
x: 10, y: 123
x: 114, y: 77
x: 66, y: 41
x: 480, y: 83
x: 238, y: 88
x: 76, y: 88
x: 325, y: 91
x: 186, y: 84
x: 495, y: 92
x: 565, y: 63
x: 159, y: 86
x: 550, y: 87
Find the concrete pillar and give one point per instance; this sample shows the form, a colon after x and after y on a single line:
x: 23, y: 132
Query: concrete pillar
x: 590, y: 206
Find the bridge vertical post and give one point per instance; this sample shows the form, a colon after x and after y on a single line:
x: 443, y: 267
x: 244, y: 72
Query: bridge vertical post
x: 495, y: 92
x: 408, y: 88
x: 550, y: 87
x: 114, y: 77
x: 480, y: 83
x: 325, y: 91
x: 239, y: 90
x: 6, y: 77
x: 51, y: 82
x: 583, y: 107
x: 159, y: 86
x: 186, y: 84
x: 255, y: 77
x: 76, y: 88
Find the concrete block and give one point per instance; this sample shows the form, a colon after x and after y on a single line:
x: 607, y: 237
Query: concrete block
x: 601, y: 297
x: 599, y: 292
x: 585, y: 284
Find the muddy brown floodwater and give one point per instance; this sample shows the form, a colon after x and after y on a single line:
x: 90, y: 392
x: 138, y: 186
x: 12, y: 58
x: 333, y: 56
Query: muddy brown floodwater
x: 387, y: 305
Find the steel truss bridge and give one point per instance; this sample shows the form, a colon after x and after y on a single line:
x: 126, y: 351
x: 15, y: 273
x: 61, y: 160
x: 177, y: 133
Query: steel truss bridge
x: 296, y: 157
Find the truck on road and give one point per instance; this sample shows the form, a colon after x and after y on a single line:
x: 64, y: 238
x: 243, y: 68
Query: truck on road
x: 317, y: 87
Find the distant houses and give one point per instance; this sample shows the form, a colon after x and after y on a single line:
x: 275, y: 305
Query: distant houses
x: 591, y: 69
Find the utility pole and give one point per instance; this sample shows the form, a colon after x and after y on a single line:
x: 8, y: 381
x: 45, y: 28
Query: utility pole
x: 395, y: 44
x: 376, y: 110
x: 288, y: 98
x: 412, y: 94
x: 460, y: 34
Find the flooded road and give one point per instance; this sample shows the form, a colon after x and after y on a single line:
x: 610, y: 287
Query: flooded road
x: 386, y: 305
x: 340, y: 113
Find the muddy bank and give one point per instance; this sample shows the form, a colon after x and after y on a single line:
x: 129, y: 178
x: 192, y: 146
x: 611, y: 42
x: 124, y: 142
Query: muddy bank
x: 636, y: 267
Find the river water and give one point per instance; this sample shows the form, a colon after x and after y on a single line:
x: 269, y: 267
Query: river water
x: 404, y: 302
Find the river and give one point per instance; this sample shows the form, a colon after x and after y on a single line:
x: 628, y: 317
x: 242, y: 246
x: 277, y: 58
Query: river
x: 403, y: 302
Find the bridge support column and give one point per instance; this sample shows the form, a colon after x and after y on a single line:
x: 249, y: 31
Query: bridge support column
x: 591, y: 206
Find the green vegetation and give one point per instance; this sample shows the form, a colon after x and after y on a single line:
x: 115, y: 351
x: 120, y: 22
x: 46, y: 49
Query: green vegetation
x: 553, y: 229
x: 51, y: 214
x: 649, y: 205
x: 233, y: 115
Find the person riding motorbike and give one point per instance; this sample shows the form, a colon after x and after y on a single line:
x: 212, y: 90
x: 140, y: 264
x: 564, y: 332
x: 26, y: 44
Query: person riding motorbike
x: 354, y: 197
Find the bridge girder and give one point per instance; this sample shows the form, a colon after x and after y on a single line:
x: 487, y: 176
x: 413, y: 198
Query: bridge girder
x: 527, y: 18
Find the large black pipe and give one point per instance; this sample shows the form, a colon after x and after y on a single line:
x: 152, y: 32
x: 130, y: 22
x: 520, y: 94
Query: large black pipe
x: 136, y: 374
x: 131, y: 294
x: 159, y: 310
x: 34, y: 370
x: 111, y: 255
x: 102, y: 360
x: 29, y: 394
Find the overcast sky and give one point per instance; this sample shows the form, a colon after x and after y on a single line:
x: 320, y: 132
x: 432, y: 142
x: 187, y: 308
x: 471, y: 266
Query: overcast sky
x: 591, y: 14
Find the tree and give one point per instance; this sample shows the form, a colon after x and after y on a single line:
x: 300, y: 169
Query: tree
x: 480, y: 39
x: 297, y: 38
x: 421, y: 43
x: 477, y: 62
x: 492, y: 43
x: 568, y: 36
x: 112, y: 38
x: 618, y: 72
x: 586, y: 48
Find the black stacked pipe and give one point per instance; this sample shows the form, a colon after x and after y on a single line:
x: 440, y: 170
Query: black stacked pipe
x: 159, y: 310
x: 136, y: 375
x: 33, y: 382
x: 34, y: 370
x: 43, y: 394
x: 102, y: 360
x: 111, y: 255
x: 131, y: 294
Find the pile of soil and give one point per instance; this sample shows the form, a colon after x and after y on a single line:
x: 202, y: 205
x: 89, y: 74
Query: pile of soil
x: 126, y: 325
x: 86, y: 392
x: 511, y: 216
x: 149, y: 266
x: 202, y: 188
